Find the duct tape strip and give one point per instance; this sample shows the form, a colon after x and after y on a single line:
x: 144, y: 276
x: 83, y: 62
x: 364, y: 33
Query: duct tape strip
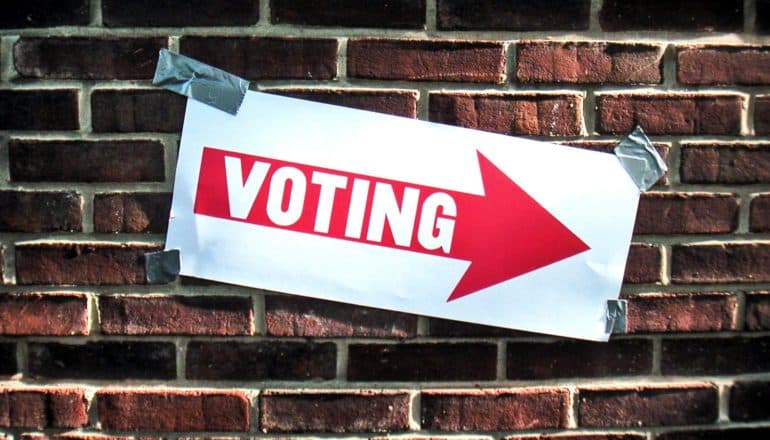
x: 617, y: 310
x: 199, y: 81
x: 161, y: 267
x: 640, y: 159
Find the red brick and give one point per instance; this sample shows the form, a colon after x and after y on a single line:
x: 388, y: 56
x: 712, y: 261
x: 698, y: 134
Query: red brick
x: 426, y: 60
x: 405, y: 14
x: 172, y: 410
x: 75, y: 263
x: 717, y: 434
x: 588, y: 63
x: 679, y: 213
x: 750, y: 401
x: 715, y: 356
x: 39, y: 110
x: 46, y: 13
x: 686, y: 312
x: 335, y: 412
x: 304, y: 317
x: 422, y: 362
x: 87, y: 58
x: 267, y: 360
x: 739, y: 163
x: 144, y: 13
x: 673, y: 15
x: 7, y: 359
x: 643, y: 265
x: 399, y: 103
x: 565, y: 358
x: 720, y: 263
x: 675, y: 114
x: 135, y: 212
x: 521, y: 15
x: 748, y: 65
x: 39, y: 408
x: 648, y: 406
x: 758, y: 311
x: 759, y: 217
x: 266, y: 58
x: 494, y: 410
x: 510, y: 113
x: 26, y: 211
x: 762, y: 115
x: 86, y: 161
x: 43, y: 314
x: 128, y: 111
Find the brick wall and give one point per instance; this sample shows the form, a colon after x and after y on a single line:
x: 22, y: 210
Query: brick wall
x: 87, y: 156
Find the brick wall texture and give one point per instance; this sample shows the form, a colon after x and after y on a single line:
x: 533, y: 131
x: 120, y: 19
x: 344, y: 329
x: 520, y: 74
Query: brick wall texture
x: 87, y: 155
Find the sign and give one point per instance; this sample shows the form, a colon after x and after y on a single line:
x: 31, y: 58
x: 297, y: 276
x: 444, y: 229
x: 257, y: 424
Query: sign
x: 353, y: 206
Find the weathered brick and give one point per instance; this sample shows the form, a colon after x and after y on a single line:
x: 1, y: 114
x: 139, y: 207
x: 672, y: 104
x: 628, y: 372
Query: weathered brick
x: 758, y: 311
x: 494, y: 410
x: 588, y: 63
x: 335, y: 412
x: 648, y: 406
x: 715, y: 356
x: 405, y: 14
x: 74, y: 263
x: 39, y: 110
x: 521, y: 15
x: 684, y: 312
x: 103, y: 360
x: 673, y: 15
x: 675, y: 114
x: 723, y: 65
x: 127, y: 111
x: 43, y: 314
x: 304, y: 317
x: 44, y: 13
x: 763, y: 16
x: 750, y: 401
x: 762, y: 115
x: 268, y: 360
x: 86, y: 58
x: 86, y: 161
x: 7, y: 359
x: 134, y: 212
x: 679, y: 213
x: 720, y: 263
x: 600, y: 436
x: 510, y: 113
x: 266, y: 58
x: 172, y: 410
x: 26, y: 211
x: 739, y: 163
x: 39, y: 408
x: 759, y: 216
x: 78, y: 436
x: 643, y: 265
x: 426, y: 60
x: 717, y: 434
x: 399, y: 103
x: 564, y: 358
x: 143, y: 13
x: 422, y: 362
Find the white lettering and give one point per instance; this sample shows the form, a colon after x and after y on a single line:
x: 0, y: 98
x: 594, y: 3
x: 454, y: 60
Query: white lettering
x: 242, y: 195
x: 400, y: 219
x: 275, y: 197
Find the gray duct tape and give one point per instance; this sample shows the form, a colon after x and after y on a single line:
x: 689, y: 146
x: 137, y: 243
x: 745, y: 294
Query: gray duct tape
x: 640, y: 159
x: 617, y: 310
x: 161, y: 267
x: 199, y: 81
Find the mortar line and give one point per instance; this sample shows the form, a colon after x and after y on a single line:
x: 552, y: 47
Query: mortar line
x: 342, y: 360
x: 415, y: 413
x: 740, y: 310
x: 657, y: 355
x: 431, y: 17
x: 573, y: 407
x: 749, y: 16
x: 259, y: 310
x: 265, y: 14
x: 181, y: 358
x: 724, y: 404
x: 342, y: 60
x: 593, y: 18
x: 502, y: 358
x: 97, y: 19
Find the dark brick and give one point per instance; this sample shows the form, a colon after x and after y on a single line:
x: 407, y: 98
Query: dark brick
x: 643, y: 265
x: 134, y: 212
x: 87, y: 58
x: 521, y: 15
x: 399, y: 103
x: 295, y: 316
x: 750, y: 401
x: 7, y: 359
x: 758, y: 311
x: 546, y: 360
x: 725, y: 163
x: 511, y: 113
x: 408, y: 14
x: 759, y: 217
x: 724, y: 65
x: 448, y: 328
x: 39, y: 110
x: 44, y: 13
x: 103, y: 360
x: 715, y: 356
x: 128, y: 111
x: 601, y: 436
x: 762, y: 115
x: 426, y: 60
x: 421, y: 362
x: 266, y: 58
x: 494, y: 410
x: 335, y: 412
x: 720, y: 263
x: 43, y: 314
x: 678, y: 213
x: 682, y: 313
x: 42, y: 408
x: 86, y: 161
x: 268, y: 360
x: 648, y: 406
x: 717, y: 434
x: 143, y: 13
x: 25, y: 211
x: 763, y: 16
x: 673, y: 15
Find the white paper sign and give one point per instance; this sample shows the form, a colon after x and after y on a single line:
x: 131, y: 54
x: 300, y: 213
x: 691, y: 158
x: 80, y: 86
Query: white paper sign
x: 347, y: 205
